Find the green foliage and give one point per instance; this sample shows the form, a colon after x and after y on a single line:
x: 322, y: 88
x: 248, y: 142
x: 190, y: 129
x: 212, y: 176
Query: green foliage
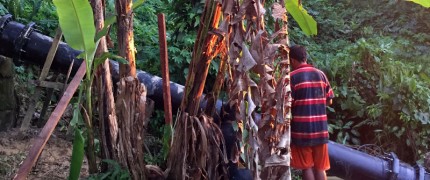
x: 23, y: 75
x: 77, y: 23
x: 181, y: 34
x: 424, y: 3
x: 24, y: 11
x: 374, y: 90
x: 77, y: 125
x: 77, y: 156
x: 301, y: 16
x: 374, y: 54
x: 137, y: 3
x: 346, y: 132
x: 157, y: 159
x: 104, y: 31
x: 146, y: 36
x: 3, y: 9
x: 167, y: 140
x: 116, y: 172
x: 160, y: 145
x: 155, y: 126
x: 108, y: 55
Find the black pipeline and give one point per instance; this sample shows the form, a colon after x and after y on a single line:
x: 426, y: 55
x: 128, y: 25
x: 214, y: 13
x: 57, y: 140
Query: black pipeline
x: 22, y: 42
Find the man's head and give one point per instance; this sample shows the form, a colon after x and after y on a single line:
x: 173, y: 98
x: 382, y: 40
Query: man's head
x: 297, y: 55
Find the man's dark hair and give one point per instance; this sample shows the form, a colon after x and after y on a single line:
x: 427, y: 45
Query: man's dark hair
x: 298, y: 52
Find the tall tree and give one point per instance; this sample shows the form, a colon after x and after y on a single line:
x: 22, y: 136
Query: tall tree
x: 131, y: 98
x: 107, y: 116
x: 196, y: 138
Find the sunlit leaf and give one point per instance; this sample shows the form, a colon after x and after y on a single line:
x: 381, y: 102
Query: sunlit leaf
x: 77, y: 23
x: 425, y: 3
x: 305, y: 21
x: 137, y: 3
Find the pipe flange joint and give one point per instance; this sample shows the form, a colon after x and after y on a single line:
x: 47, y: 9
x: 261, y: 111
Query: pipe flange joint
x: 420, y: 170
x: 4, y: 21
x: 395, y: 166
x: 23, y: 38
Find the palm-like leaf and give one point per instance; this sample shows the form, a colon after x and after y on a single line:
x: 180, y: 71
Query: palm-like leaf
x: 305, y: 21
x: 425, y: 3
x: 77, y: 22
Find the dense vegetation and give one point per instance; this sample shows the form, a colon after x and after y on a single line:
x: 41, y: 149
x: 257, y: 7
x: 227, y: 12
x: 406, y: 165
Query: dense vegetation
x: 374, y: 52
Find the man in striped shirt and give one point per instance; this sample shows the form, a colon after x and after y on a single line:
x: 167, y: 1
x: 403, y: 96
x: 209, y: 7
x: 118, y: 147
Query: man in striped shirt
x: 311, y: 92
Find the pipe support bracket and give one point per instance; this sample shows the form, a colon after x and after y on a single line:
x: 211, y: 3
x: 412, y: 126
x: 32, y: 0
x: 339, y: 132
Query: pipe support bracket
x: 395, y: 166
x: 4, y: 21
x: 22, y: 39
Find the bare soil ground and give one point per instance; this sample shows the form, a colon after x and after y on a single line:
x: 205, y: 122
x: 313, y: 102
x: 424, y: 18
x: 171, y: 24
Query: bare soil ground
x: 54, y: 162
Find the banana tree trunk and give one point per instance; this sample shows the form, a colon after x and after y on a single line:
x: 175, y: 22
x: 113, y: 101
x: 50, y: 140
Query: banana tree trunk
x: 205, y: 49
x: 108, y: 121
x: 131, y: 99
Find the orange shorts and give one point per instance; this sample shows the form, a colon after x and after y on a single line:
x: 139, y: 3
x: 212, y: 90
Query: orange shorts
x: 305, y: 157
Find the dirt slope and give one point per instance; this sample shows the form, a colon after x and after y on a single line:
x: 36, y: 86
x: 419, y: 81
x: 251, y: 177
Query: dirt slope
x: 54, y: 162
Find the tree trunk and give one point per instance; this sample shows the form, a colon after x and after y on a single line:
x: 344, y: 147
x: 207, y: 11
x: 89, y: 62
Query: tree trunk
x: 108, y: 124
x: 125, y: 37
x: 205, y: 49
x: 131, y: 99
x: 7, y: 94
x: 131, y: 106
x: 196, y: 151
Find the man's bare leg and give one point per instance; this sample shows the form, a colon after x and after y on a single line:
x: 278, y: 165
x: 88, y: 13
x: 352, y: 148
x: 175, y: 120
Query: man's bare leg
x: 308, y: 174
x: 319, y: 174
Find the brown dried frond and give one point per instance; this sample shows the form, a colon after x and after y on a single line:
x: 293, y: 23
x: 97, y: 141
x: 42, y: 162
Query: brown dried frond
x: 198, y: 150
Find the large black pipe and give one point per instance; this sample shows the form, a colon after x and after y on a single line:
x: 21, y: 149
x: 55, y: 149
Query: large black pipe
x: 36, y: 46
x: 154, y: 85
x: 346, y: 163
x: 352, y: 164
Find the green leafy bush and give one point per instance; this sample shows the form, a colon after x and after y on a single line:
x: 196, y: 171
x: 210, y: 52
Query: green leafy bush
x: 40, y: 11
x: 383, y: 96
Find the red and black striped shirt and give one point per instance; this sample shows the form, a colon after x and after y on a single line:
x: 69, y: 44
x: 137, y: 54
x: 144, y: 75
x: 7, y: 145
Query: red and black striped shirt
x: 310, y: 92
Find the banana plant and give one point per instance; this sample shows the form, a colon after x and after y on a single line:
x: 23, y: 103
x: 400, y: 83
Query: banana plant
x: 77, y: 21
x: 305, y: 21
